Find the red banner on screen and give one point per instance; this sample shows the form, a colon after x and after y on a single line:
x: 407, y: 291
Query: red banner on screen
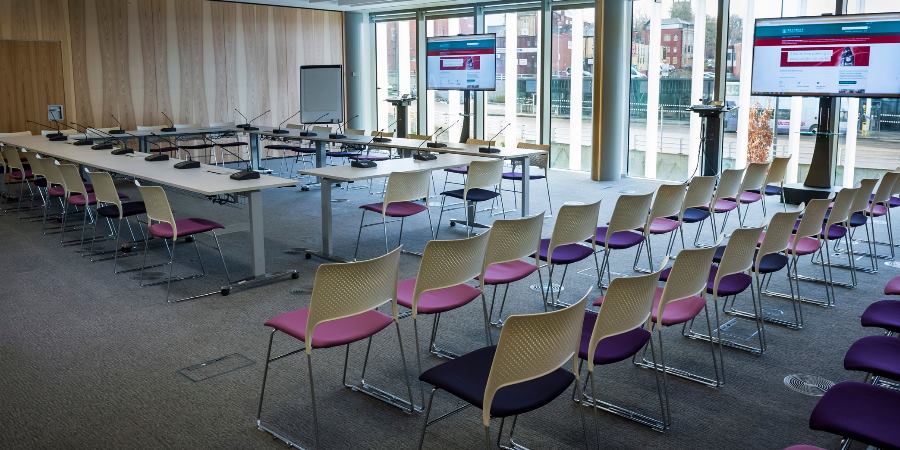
x: 856, y: 56
x: 461, y: 63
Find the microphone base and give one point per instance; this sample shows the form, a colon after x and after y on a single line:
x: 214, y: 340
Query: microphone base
x: 249, y: 128
x: 488, y: 150
x: 102, y: 147
x: 246, y: 174
x: 84, y: 142
x: 116, y: 131
x: 305, y: 133
x: 189, y: 164
x: 363, y: 164
x: 381, y: 140
x: 280, y: 131
x: 168, y: 129
x: 424, y: 156
x: 435, y: 145
x: 122, y: 151
x: 243, y: 125
x: 56, y: 137
x: 157, y: 157
x: 337, y: 136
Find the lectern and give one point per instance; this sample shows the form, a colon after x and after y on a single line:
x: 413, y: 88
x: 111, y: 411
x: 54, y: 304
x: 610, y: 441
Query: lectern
x: 402, y: 106
x: 710, y: 136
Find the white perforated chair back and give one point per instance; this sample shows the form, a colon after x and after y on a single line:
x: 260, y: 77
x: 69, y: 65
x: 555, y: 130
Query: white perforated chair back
x: 154, y: 128
x: 65, y: 131
x: 575, y: 223
x: 540, y: 160
x: 420, y: 137
x: 72, y: 179
x: 220, y: 124
x: 532, y: 346
x: 739, y: 253
x: 449, y: 263
x: 475, y: 141
x: 668, y: 200
x: 52, y: 173
x: 861, y: 200
x: 729, y: 184
x: 778, y: 170
x: 354, y: 132
x: 322, y: 129
x: 157, y: 204
x: 630, y: 212
x: 755, y: 177
x: 840, y: 210
x: 626, y: 306
x: 16, y: 133
x: 513, y: 239
x: 688, y: 277
x: 406, y: 187
x: 813, y: 218
x: 699, y: 192
x: 182, y: 126
x: 347, y: 289
x: 778, y: 234
x: 37, y: 169
x: 387, y: 134
x: 13, y: 158
x: 105, y: 189
x: 484, y: 175
x: 885, y: 187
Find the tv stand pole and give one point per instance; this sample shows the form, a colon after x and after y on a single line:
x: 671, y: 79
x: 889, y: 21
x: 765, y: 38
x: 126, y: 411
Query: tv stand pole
x: 818, y: 180
x: 467, y: 117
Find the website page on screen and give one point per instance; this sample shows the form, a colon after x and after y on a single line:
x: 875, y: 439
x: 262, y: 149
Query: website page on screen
x: 462, y: 62
x: 827, y: 56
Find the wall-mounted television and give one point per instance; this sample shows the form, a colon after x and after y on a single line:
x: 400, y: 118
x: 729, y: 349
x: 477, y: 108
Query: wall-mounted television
x: 839, y: 56
x: 462, y: 63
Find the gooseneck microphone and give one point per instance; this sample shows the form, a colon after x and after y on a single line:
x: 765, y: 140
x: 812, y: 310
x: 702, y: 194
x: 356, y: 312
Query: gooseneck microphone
x: 490, y: 148
x: 117, y: 130
x: 57, y: 136
x: 340, y: 134
x: 105, y: 145
x: 186, y: 164
x: 435, y: 143
x: 247, y: 126
x: 171, y: 128
x: 425, y: 156
x: 279, y: 130
x: 241, y: 175
x: 306, y: 132
x: 367, y: 163
x: 161, y: 152
x: 86, y: 140
x: 380, y: 139
x: 246, y: 122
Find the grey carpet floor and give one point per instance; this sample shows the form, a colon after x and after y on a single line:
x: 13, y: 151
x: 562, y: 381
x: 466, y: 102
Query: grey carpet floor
x: 91, y: 360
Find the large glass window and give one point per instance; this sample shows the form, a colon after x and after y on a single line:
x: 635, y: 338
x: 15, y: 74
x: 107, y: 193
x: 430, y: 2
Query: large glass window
x: 571, y: 83
x: 445, y: 108
x: 514, y: 104
x: 395, y: 44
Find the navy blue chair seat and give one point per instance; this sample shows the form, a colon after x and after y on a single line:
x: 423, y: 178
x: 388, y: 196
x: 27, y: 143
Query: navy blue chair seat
x: 475, y: 195
x: 693, y: 215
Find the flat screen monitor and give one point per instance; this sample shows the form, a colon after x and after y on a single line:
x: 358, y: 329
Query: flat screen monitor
x: 462, y: 63
x: 838, y: 56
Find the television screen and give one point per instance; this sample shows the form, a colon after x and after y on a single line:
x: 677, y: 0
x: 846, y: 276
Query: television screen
x: 466, y: 62
x: 841, y: 56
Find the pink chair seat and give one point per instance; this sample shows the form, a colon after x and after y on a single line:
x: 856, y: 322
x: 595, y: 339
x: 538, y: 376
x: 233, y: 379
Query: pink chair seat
x: 722, y: 205
x: 79, y: 199
x: 662, y: 225
x: 396, y: 209
x: 186, y: 227
x: 334, y: 332
x: 877, y: 210
x: 508, y: 272
x: 56, y: 191
x: 436, y: 301
x: 806, y: 246
x: 676, y: 312
x: 17, y: 174
x: 893, y: 287
x: 749, y: 197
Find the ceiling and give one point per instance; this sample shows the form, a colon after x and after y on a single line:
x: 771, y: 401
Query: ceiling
x: 357, y: 5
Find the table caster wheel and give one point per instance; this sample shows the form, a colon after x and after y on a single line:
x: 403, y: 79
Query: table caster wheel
x: 308, y: 256
x: 452, y: 224
x: 304, y: 188
x: 295, y: 275
x: 226, y: 291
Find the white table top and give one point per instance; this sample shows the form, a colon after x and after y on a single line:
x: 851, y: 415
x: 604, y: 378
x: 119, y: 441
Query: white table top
x: 206, y: 180
x: 385, y: 168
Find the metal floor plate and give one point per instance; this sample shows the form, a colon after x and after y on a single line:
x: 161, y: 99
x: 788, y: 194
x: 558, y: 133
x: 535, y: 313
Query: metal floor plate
x: 216, y: 367
x: 812, y: 385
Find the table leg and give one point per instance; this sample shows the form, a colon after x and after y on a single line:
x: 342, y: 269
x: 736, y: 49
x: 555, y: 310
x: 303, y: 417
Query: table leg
x: 327, y: 246
x: 526, y: 185
x: 320, y: 153
x: 254, y: 151
x: 257, y: 237
x: 142, y: 144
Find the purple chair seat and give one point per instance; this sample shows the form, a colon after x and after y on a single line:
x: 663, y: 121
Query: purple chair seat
x: 508, y: 272
x: 894, y: 202
x: 748, y: 197
x: 565, y: 254
x: 834, y: 232
x: 466, y: 378
x: 693, y: 215
x: 806, y: 245
x: 186, y: 227
x: 878, y: 210
x: 878, y: 355
x: 436, y: 301
x: 620, y: 239
x: 517, y: 176
x: 80, y: 200
x: 662, y: 225
x: 773, y: 262
x: 722, y: 205
x: 128, y: 209
x: 614, y: 348
x: 770, y: 190
x: 893, y: 287
x: 475, y: 195
x: 676, y: 312
x: 883, y: 314
x: 859, y: 411
x: 370, y: 157
x: 291, y: 148
x: 334, y: 332
x: 396, y: 209
x: 17, y: 174
x: 462, y: 170
x: 731, y: 284
x: 56, y: 191
x: 340, y: 154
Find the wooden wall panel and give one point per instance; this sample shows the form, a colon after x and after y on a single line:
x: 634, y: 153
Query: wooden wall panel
x: 196, y: 60
x: 31, y: 78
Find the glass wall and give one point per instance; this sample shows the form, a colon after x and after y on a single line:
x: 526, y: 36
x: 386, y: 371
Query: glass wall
x: 514, y: 104
x: 571, y: 83
x: 445, y: 108
x: 396, y: 69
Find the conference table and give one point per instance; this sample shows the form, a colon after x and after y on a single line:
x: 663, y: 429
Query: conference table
x: 346, y: 173
x: 206, y: 180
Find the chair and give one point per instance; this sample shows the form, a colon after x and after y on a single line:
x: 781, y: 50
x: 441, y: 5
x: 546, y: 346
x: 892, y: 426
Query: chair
x: 877, y: 356
x: 161, y: 223
x: 343, y: 151
x: 341, y: 313
x: 38, y: 180
x: 440, y: 286
x: 728, y: 279
x: 464, y: 170
x: 506, y: 260
x: 749, y: 192
x: 77, y: 195
x: 110, y: 206
x: 482, y: 183
x: 771, y: 258
x: 18, y: 172
x: 576, y: 224
x: 55, y: 190
x: 884, y: 314
x: 378, y: 154
x: 539, y: 161
x: 699, y: 193
x: 618, y: 331
x: 858, y: 218
x: 805, y: 241
x: 666, y: 204
x: 524, y: 372
x: 403, y: 191
x: 880, y: 206
x: 860, y: 412
x: 679, y: 302
x: 728, y: 187
x: 774, y: 184
x: 630, y: 214
x: 834, y: 229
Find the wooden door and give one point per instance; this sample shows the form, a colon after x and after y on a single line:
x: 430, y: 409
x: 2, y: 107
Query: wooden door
x: 31, y: 77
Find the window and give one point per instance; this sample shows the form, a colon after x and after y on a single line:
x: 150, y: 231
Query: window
x: 667, y: 38
x: 571, y: 82
x: 396, y: 69
x: 445, y: 108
